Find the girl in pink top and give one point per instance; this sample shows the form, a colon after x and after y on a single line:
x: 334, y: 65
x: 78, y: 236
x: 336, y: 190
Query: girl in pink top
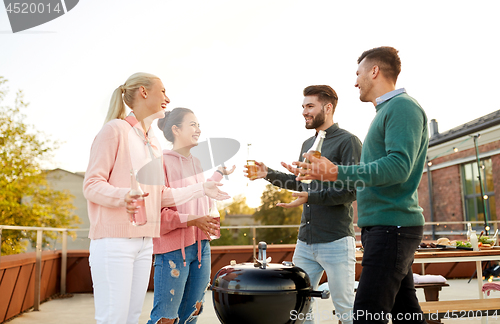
x: 182, y: 252
x: 120, y: 253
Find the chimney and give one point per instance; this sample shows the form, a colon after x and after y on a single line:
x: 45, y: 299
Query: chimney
x: 434, y: 128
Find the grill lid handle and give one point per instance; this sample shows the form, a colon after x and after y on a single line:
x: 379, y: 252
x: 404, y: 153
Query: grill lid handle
x: 325, y: 294
x: 262, y: 255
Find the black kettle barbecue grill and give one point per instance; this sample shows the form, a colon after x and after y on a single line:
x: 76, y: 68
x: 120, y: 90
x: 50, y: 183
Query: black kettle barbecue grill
x: 262, y: 292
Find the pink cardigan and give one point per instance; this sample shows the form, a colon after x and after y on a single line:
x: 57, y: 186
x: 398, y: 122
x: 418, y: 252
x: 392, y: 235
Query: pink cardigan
x: 182, y: 171
x: 120, y: 146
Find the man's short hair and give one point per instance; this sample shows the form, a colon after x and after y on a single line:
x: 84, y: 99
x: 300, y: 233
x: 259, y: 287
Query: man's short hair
x: 386, y: 58
x: 324, y: 93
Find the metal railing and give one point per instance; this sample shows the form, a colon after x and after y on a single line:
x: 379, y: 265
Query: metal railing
x: 64, y: 253
x: 254, y: 232
x: 433, y: 233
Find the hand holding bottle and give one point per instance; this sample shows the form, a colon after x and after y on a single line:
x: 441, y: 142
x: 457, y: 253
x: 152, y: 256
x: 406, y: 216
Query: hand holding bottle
x: 131, y: 202
x: 135, y: 201
x: 315, y: 150
x: 207, y: 224
x: 214, y: 213
x: 255, y: 170
x: 319, y: 169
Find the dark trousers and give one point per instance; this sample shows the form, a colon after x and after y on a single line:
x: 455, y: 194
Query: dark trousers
x: 386, y: 282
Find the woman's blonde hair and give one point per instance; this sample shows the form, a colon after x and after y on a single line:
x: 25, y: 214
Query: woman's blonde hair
x: 125, y: 94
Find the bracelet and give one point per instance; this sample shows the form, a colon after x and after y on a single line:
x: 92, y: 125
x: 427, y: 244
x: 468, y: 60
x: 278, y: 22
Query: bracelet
x: 219, y: 172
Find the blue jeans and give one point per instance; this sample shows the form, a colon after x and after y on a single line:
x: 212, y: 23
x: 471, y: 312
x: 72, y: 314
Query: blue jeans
x: 177, y: 287
x: 386, y: 283
x: 338, y: 260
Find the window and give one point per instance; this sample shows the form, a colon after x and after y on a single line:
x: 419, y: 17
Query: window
x: 474, y: 208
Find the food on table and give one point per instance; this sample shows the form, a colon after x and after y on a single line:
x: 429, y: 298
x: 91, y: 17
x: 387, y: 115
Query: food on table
x: 463, y: 244
x: 486, y: 240
x: 424, y: 245
x: 443, y: 241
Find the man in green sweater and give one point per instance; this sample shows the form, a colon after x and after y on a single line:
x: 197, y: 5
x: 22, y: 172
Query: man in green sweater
x: 392, y: 161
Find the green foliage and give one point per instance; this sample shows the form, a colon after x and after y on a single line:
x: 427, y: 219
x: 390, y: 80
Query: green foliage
x: 235, y: 236
x: 26, y: 198
x: 269, y: 214
x: 238, y: 206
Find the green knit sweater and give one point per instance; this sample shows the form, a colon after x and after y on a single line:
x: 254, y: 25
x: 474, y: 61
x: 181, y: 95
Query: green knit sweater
x: 392, y: 161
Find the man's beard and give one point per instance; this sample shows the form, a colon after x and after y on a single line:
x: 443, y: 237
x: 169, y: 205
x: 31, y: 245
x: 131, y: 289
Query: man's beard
x: 318, y: 120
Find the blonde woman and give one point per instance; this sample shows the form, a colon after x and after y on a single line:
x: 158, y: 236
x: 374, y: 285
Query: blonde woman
x: 120, y: 253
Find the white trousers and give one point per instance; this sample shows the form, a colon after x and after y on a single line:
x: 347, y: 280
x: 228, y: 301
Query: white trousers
x: 120, y: 269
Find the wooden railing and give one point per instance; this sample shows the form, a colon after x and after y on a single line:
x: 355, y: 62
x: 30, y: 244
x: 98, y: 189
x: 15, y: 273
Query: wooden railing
x: 27, y: 279
x: 38, y: 263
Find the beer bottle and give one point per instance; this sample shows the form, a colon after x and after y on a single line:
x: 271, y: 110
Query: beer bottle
x: 252, y: 167
x: 139, y: 218
x: 316, y: 149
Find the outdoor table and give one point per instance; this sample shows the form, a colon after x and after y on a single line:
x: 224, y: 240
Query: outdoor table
x: 454, y: 255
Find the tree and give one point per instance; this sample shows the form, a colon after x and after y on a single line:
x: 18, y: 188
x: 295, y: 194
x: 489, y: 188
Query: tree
x: 238, y: 207
x: 26, y: 198
x: 269, y: 214
x: 235, y: 236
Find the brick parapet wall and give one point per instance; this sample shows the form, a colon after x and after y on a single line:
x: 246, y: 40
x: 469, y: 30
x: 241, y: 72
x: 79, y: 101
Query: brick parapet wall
x: 495, y: 161
x: 447, y: 188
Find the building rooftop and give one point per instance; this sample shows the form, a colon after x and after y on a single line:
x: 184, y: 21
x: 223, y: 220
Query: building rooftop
x: 79, y: 309
x: 476, y: 125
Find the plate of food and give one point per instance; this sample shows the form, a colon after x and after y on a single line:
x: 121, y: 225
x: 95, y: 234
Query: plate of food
x: 444, y: 244
x: 428, y: 247
x: 486, y: 242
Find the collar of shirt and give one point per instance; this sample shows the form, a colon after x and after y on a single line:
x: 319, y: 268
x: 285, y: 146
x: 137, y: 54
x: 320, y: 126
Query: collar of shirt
x: 389, y: 95
x: 330, y: 130
x: 136, y: 124
x: 154, y: 150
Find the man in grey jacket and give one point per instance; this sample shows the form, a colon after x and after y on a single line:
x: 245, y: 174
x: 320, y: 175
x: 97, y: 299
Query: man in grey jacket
x: 326, y: 236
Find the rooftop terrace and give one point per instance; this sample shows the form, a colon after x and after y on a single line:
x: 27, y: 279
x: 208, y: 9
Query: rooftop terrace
x: 79, y: 309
